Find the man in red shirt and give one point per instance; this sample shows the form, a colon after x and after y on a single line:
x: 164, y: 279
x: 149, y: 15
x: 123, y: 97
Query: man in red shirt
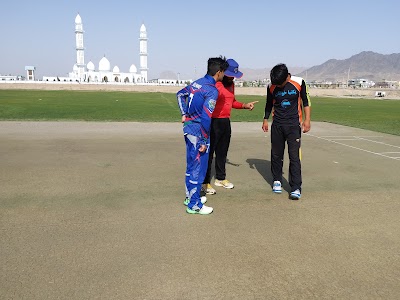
x: 220, y: 135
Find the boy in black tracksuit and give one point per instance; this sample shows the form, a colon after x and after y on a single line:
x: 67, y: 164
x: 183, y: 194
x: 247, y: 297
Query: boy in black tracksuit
x: 287, y: 97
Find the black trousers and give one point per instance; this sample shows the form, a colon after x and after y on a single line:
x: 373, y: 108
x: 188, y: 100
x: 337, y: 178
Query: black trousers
x: 220, y: 138
x: 280, y: 134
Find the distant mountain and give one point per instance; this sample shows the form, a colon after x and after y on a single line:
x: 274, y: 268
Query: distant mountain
x: 366, y: 65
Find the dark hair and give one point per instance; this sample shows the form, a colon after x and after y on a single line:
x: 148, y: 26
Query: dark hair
x: 279, y: 74
x: 227, y: 81
x: 216, y: 64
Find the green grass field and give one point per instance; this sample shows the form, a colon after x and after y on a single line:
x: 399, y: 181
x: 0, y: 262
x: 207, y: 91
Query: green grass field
x: 372, y: 114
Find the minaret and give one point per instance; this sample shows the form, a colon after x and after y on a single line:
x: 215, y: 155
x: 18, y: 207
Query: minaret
x: 80, y: 51
x: 143, y: 53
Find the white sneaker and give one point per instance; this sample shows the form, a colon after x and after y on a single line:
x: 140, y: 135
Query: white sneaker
x: 277, y: 187
x: 225, y: 183
x: 208, y: 189
x: 205, y: 210
x: 295, y: 195
x: 203, y: 200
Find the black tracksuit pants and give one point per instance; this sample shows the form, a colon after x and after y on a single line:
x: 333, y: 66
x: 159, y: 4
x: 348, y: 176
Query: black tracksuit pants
x: 280, y: 134
x: 220, y: 138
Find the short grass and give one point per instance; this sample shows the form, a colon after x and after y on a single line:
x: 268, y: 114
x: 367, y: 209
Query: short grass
x: 87, y: 105
x: 372, y: 114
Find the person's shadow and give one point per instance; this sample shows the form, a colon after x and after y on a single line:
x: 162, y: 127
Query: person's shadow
x: 213, y: 167
x: 264, y: 168
x: 212, y: 174
x: 229, y: 163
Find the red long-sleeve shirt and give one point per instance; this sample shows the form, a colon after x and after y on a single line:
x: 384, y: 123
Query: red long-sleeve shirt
x: 226, y: 100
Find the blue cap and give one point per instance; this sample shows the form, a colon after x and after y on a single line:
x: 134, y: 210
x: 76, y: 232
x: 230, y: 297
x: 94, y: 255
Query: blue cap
x: 233, y: 69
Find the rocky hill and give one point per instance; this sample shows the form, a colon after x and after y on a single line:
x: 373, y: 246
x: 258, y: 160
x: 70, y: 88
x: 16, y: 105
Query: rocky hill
x: 367, y: 65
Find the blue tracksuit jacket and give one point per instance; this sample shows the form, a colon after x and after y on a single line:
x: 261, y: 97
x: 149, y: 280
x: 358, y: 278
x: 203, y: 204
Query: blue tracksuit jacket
x: 197, y: 103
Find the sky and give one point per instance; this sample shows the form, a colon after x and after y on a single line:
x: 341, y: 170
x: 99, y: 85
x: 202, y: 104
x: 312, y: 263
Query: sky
x: 182, y: 35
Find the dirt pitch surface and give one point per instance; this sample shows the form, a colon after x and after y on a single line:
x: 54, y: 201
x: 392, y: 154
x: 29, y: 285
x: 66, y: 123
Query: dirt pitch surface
x: 95, y: 211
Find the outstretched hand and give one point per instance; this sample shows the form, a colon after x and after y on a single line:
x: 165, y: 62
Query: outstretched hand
x: 250, y: 105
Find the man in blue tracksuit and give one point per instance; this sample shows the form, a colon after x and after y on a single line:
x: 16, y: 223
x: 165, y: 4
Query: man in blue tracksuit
x: 196, y: 103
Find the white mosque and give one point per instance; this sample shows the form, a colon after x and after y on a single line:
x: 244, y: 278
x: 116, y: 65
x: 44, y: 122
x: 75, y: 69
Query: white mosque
x: 88, y: 73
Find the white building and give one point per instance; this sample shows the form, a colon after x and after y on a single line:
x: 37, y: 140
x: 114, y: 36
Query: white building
x: 11, y: 77
x: 30, y: 73
x: 104, y: 73
x: 360, y: 82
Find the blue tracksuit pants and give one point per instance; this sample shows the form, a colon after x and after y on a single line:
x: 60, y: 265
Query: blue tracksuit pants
x: 196, y: 169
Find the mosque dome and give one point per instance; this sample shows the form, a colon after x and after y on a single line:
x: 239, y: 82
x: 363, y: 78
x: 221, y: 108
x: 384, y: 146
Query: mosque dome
x: 78, y: 19
x: 116, y: 69
x: 104, y: 65
x: 90, y: 66
x: 75, y: 68
x: 133, y: 69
